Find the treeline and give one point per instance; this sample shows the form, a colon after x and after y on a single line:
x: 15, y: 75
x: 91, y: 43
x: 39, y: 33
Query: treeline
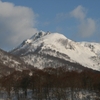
x: 50, y: 83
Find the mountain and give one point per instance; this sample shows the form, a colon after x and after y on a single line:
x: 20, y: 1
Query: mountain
x: 10, y: 63
x: 45, y: 49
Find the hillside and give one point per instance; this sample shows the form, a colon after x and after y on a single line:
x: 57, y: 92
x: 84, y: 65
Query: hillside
x: 45, y: 49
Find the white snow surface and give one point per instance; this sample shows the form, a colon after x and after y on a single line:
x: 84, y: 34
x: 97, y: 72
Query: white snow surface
x: 84, y: 53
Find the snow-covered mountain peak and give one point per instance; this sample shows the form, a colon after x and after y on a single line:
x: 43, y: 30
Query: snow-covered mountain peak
x: 56, y: 40
x: 45, y: 45
x: 39, y: 35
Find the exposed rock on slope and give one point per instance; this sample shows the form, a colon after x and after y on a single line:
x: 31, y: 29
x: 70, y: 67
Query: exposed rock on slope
x: 45, y: 49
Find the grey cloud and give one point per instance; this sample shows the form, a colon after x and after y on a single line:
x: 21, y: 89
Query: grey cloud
x: 16, y: 24
x: 79, y: 12
x: 87, y: 26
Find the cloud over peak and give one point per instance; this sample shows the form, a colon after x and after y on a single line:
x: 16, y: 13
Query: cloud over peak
x: 87, y: 25
x: 79, y: 12
x: 16, y: 24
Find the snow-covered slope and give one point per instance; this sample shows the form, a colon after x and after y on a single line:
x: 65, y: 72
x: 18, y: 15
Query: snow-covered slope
x: 53, y: 49
x: 94, y: 47
x: 9, y: 63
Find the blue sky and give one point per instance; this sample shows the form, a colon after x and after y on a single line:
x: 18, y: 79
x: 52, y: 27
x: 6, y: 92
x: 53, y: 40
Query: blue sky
x: 78, y: 20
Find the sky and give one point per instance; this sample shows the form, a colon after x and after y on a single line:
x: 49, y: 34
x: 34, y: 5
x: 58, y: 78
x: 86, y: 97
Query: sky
x: 78, y: 20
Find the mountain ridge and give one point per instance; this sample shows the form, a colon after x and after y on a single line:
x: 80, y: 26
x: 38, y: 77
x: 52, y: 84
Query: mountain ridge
x: 57, y: 45
x: 10, y: 63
